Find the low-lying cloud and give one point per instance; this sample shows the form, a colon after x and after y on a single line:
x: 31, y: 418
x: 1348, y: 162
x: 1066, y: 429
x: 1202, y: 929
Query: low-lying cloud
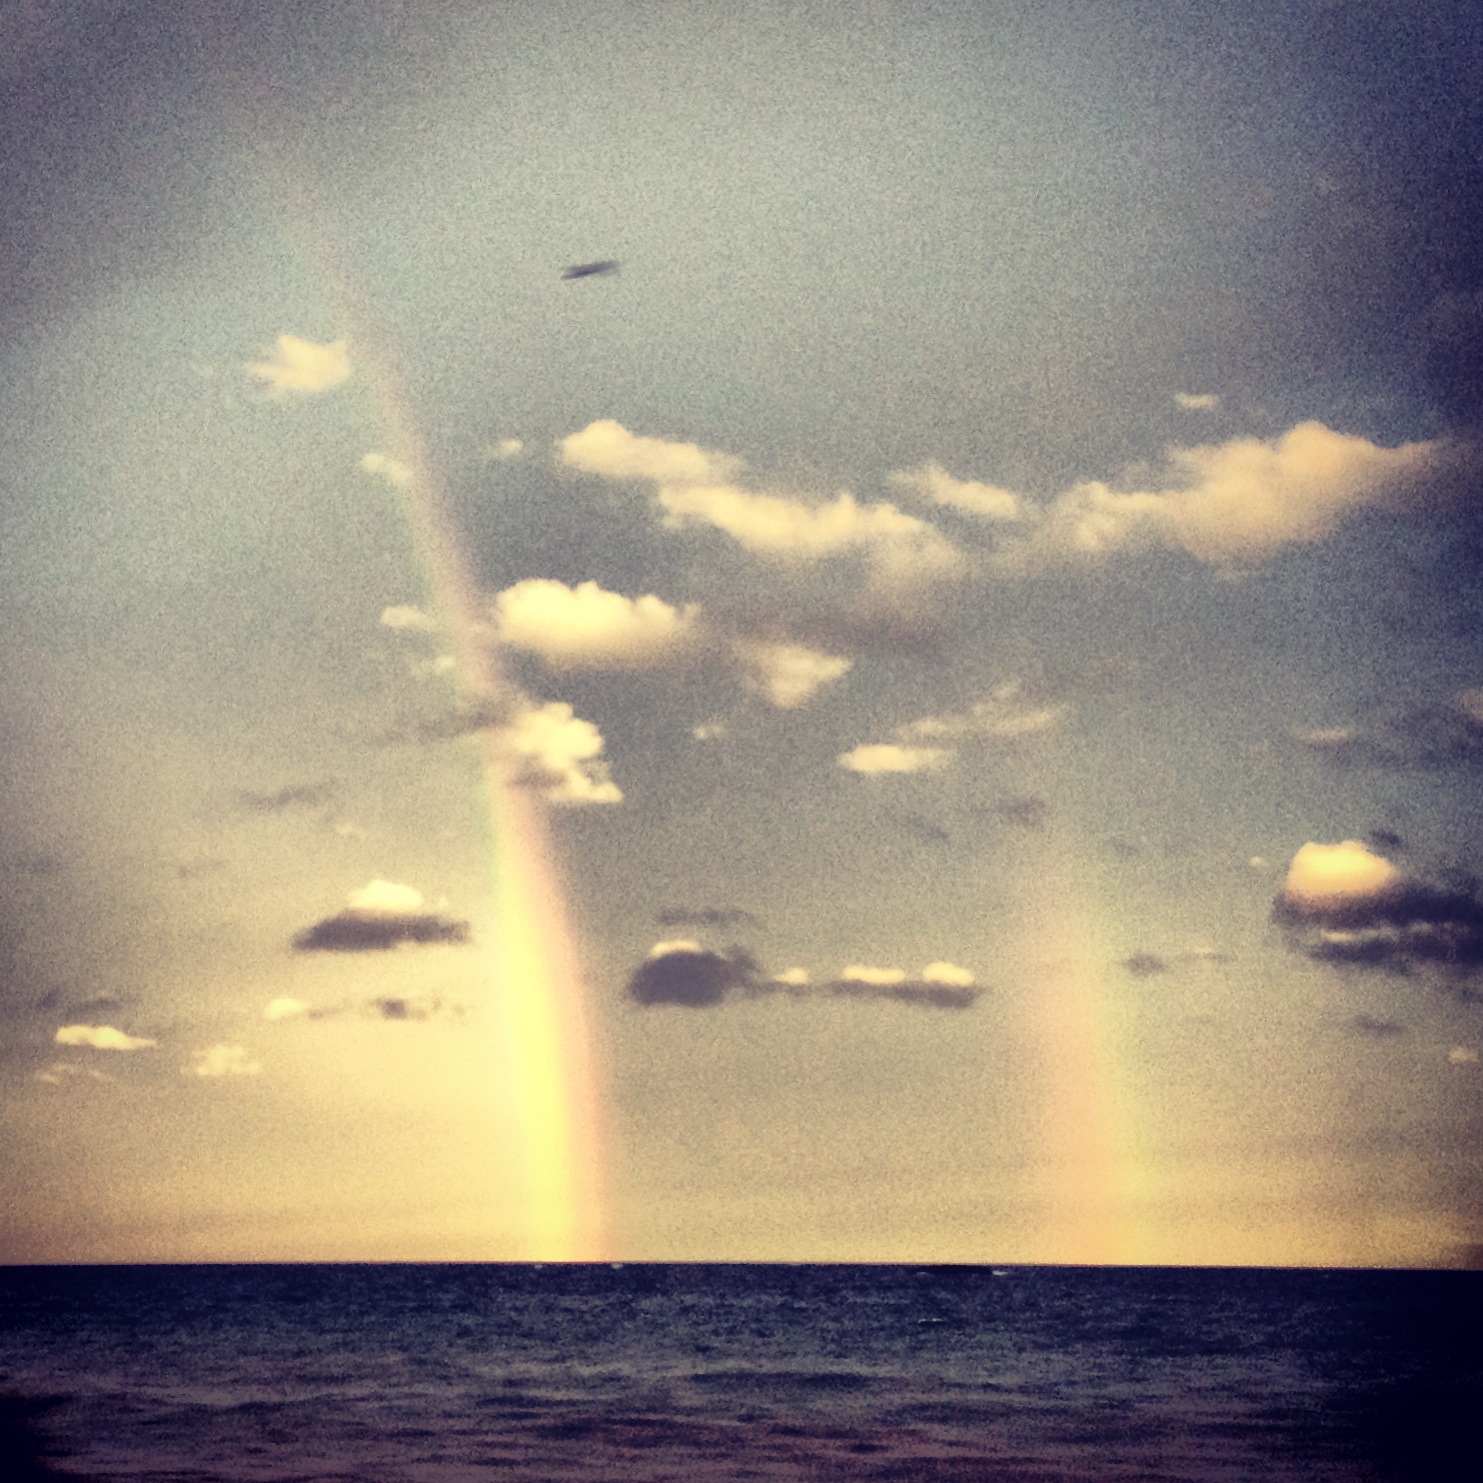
x: 380, y: 916
x: 683, y: 973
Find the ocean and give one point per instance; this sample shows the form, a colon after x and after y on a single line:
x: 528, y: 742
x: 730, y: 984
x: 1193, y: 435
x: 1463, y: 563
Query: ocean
x: 693, y: 1373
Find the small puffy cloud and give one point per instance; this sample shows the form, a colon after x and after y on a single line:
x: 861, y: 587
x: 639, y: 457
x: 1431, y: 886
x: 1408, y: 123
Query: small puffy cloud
x: 587, y: 627
x: 860, y: 973
x: 302, y: 366
x: 933, y: 741
x: 708, y: 731
x: 379, y: 916
x: 405, y: 618
x: 1193, y: 401
x: 793, y: 977
x: 607, y: 447
x: 100, y: 1037
x: 554, y: 751
x: 874, y: 758
x: 948, y: 973
x: 1461, y: 1055
x: 1348, y: 905
x: 506, y: 449
x: 697, y: 487
x: 1333, y: 877
x: 788, y: 675
x: 384, y: 466
x: 933, y: 482
x: 225, y: 1060
x: 285, y: 1007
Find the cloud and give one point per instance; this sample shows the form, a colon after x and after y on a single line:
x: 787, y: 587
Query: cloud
x: 384, y: 466
x: 285, y: 1008
x: 302, y: 366
x: 1197, y: 401
x: 695, y: 977
x: 100, y: 1037
x: 587, y: 627
x: 1420, y: 737
x: 398, y: 1008
x: 60, y: 1071
x: 706, y: 916
x: 379, y: 916
x: 296, y: 795
x: 874, y: 758
x: 224, y: 1060
x: 786, y: 674
x: 933, y: 482
x: 1145, y: 965
x: 1223, y: 503
x: 934, y: 741
x: 558, y: 754
x: 1024, y: 813
x: 505, y: 449
x: 406, y: 618
x: 1345, y: 904
x: 694, y: 486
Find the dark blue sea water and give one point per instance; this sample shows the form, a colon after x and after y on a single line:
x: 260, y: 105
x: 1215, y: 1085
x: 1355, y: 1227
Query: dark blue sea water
x: 450, y: 1374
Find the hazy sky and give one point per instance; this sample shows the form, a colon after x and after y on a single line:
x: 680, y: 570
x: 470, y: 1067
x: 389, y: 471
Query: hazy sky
x: 937, y: 714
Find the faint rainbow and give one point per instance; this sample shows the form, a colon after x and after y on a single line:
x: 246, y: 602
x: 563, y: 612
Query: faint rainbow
x: 1089, y: 1180
x: 546, y: 1062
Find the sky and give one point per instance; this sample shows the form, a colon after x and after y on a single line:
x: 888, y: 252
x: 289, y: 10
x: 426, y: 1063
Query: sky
x: 933, y: 713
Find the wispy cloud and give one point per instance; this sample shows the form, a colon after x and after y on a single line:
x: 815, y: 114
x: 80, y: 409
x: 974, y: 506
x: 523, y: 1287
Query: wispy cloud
x: 384, y: 466
x: 698, y: 487
x: 379, y: 916
x: 224, y: 1060
x: 932, y: 742
x: 933, y: 482
x: 101, y: 1037
x: 302, y: 367
x: 1197, y: 401
x: 294, y: 795
x: 787, y: 674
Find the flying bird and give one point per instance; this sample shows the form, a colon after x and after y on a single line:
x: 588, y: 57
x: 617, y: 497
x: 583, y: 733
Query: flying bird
x: 591, y: 270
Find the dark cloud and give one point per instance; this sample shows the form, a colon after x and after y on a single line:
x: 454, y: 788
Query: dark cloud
x: 706, y: 916
x: 1023, y: 813
x: 362, y: 932
x: 694, y: 978
x: 1145, y: 965
x: 923, y: 828
x: 1409, y: 925
x: 297, y: 795
x: 1420, y: 738
x: 403, y: 1009
x: 1375, y: 1028
x: 699, y: 979
x: 909, y: 991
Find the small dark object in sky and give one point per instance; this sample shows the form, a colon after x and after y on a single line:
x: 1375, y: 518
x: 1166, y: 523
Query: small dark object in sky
x: 591, y: 270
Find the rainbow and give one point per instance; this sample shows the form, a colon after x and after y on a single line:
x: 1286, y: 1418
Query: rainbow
x: 544, y: 1058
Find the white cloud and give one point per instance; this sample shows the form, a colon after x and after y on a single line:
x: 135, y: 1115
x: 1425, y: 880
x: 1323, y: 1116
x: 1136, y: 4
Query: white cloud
x: 406, y: 618
x: 559, y: 754
x: 589, y: 627
x: 795, y: 977
x: 878, y: 757
x: 225, y: 1060
x: 933, y: 741
x: 947, y: 973
x: 506, y: 449
x: 100, y: 1037
x: 302, y: 366
x: 379, y: 898
x: 787, y: 674
x: 1197, y: 401
x: 696, y: 486
x: 285, y: 1008
x: 1460, y: 1055
x: 708, y: 731
x: 859, y: 973
x: 1327, y: 876
x: 60, y: 1071
x: 935, y: 483
x: 607, y: 447
x: 384, y: 466
x: 674, y: 945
